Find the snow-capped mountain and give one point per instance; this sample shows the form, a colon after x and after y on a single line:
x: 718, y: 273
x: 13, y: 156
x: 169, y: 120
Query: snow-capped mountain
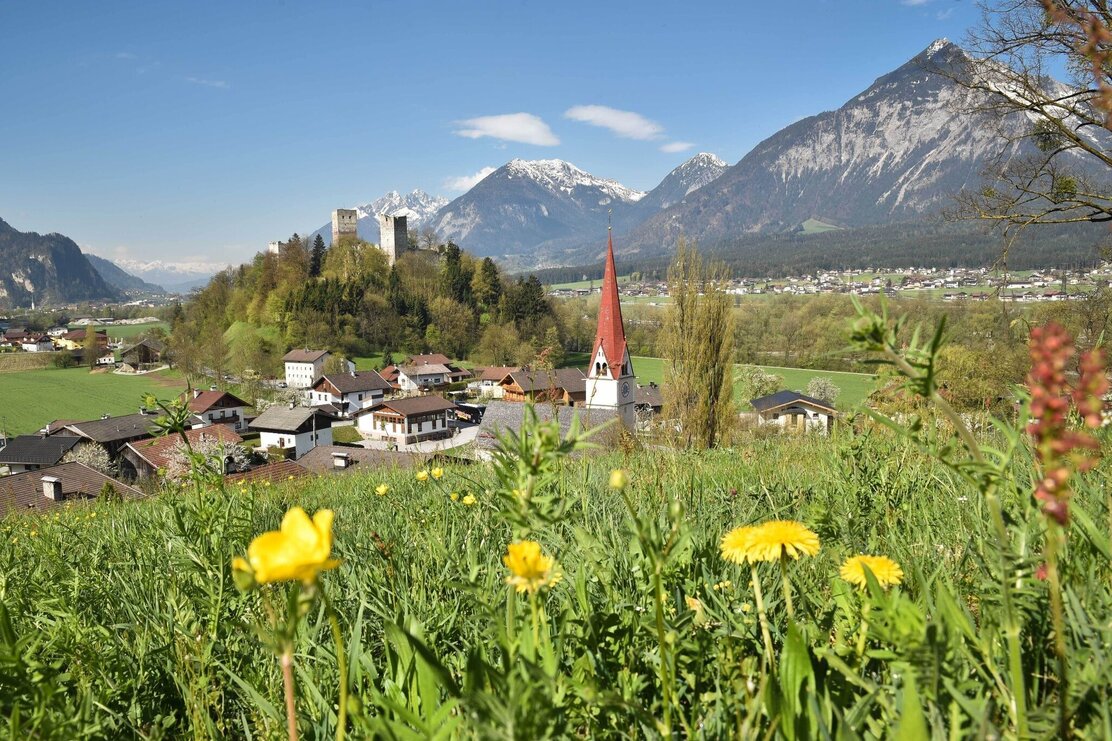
x: 417, y: 206
x: 695, y: 173
x: 525, y: 206
x: 175, y: 277
x: 896, y: 152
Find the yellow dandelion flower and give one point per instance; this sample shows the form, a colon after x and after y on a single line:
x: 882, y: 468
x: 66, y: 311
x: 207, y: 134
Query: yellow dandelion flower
x: 530, y: 569
x: 381, y: 490
x: 422, y: 475
x: 619, y: 479
x: 299, y: 550
x: 887, y: 572
x: 746, y: 607
x: 454, y: 496
x: 693, y: 603
x: 438, y: 473
x: 769, y: 542
x: 290, y: 477
x: 34, y: 533
x: 469, y: 500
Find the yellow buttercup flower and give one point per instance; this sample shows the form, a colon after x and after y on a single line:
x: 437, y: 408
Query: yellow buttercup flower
x: 454, y: 496
x: 469, y: 500
x: 530, y: 569
x: 422, y: 475
x: 769, y: 542
x: 299, y: 550
x: 381, y: 490
x: 438, y: 473
x: 887, y: 572
x: 619, y: 479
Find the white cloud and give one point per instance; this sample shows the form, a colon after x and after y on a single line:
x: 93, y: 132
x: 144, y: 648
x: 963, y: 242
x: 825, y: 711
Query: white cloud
x: 672, y: 147
x: 467, y: 182
x: 514, y: 127
x: 626, y: 124
x: 943, y: 15
x: 219, y: 84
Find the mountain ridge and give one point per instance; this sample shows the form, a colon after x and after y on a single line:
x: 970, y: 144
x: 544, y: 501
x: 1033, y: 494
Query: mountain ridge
x: 47, y: 269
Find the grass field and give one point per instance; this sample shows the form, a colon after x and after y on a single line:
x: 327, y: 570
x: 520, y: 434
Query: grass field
x: 127, y: 331
x: 122, y: 620
x: 29, y: 400
x: 855, y: 387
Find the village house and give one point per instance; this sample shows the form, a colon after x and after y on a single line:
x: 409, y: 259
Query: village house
x: 75, y: 339
x: 488, y: 380
x: 407, y: 420
x: 423, y: 373
x: 112, y: 433
x: 143, y: 354
x: 32, y: 452
x: 793, y: 411
x: 350, y: 392
x: 566, y: 386
x: 293, y: 430
x: 147, y: 459
x: 37, y: 343
x: 304, y: 367
x: 215, y: 407
x: 56, y: 486
x: 649, y: 400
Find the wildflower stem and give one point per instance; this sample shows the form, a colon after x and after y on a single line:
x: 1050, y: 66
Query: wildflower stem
x: 662, y: 639
x: 761, y: 615
x: 1057, y: 613
x: 286, y: 662
x: 863, y: 631
x: 341, y: 666
x: 786, y: 586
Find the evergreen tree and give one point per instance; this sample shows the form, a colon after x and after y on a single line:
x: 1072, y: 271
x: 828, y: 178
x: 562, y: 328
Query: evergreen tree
x: 454, y: 283
x: 317, y: 257
x: 486, y: 285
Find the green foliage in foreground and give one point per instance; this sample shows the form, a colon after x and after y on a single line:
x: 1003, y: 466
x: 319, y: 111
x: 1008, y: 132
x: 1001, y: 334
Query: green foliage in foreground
x: 121, y: 620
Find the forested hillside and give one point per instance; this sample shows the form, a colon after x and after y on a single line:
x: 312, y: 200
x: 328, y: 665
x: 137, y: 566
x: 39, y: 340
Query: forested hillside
x: 348, y: 299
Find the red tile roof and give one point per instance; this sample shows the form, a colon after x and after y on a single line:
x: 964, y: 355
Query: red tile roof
x: 275, y: 472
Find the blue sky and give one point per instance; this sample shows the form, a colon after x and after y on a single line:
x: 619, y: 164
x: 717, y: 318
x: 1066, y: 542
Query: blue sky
x: 198, y: 131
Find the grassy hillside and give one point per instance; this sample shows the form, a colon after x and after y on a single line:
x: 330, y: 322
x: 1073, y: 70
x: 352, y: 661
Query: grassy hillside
x: 33, y: 398
x: 124, y: 621
x: 127, y: 331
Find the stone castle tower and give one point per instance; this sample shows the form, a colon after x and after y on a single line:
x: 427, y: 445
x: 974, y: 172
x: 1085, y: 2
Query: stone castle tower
x: 345, y: 224
x: 393, y: 236
x: 611, y: 383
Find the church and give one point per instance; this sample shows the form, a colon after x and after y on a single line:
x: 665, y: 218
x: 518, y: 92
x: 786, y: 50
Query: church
x: 611, y: 383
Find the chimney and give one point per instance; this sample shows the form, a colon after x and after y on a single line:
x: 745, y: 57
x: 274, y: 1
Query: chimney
x: 52, y: 488
x: 196, y: 393
x: 341, y: 460
x: 212, y: 387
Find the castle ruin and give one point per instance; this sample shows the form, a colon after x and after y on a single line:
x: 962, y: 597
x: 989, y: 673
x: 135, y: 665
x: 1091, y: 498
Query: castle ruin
x: 393, y: 236
x: 345, y: 224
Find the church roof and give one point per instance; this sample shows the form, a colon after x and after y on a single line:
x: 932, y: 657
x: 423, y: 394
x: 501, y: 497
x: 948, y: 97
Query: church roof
x: 611, y: 332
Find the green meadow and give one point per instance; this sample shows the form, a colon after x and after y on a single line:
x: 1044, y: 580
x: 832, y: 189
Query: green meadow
x: 30, y: 399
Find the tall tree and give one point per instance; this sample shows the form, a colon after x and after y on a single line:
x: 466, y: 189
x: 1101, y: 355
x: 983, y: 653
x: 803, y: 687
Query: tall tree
x: 697, y: 343
x: 90, y: 347
x: 316, y: 259
x: 486, y: 284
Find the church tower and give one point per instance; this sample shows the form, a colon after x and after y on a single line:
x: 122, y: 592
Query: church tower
x: 610, y: 380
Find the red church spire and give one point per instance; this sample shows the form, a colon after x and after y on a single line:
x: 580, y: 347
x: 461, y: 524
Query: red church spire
x: 611, y: 332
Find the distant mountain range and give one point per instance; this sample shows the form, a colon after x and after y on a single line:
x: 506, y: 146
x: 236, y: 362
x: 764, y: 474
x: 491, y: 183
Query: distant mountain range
x: 896, y: 153
x: 119, y: 278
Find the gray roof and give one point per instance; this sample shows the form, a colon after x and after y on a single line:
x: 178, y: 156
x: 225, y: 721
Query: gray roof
x: 23, y: 492
x: 350, y: 383
x: 112, y: 429
x: 571, y: 380
x: 37, y: 451
x: 304, y: 356
x: 319, y: 459
x: 425, y: 369
x: 783, y: 398
x: 503, y: 416
x: 284, y: 419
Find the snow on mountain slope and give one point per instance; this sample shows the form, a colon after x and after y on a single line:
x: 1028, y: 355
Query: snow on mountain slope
x: 525, y: 206
x: 417, y: 206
